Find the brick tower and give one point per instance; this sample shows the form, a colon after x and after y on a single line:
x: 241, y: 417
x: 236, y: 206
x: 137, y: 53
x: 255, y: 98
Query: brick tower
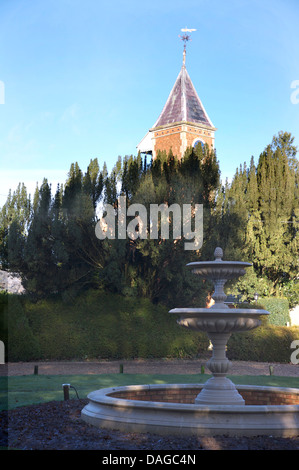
x: 183, y: 121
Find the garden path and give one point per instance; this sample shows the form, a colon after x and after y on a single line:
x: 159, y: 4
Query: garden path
x: 144, y: 366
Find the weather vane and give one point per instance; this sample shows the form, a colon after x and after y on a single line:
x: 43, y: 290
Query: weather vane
x: 186, y: 37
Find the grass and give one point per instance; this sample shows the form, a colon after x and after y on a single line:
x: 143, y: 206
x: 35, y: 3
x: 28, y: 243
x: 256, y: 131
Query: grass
x: 25, y: 390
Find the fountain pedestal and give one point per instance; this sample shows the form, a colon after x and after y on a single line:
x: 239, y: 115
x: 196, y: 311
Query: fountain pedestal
x: 219, y: 389
x: 219, y: 322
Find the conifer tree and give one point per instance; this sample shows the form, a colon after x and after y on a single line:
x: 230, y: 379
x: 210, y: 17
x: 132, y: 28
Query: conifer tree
x: 263, y: 200
x: 276, y: 188
x: 15, y: 215
x: 252, y: 188
x: 39, y: 271
x: 93, y: 182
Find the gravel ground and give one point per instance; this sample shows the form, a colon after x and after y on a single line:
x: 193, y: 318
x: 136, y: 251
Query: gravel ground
x: 139, y: 366
x: 57, y: 425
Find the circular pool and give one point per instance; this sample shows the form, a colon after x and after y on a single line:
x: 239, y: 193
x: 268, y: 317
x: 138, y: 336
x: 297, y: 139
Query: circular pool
x: 170, y: 409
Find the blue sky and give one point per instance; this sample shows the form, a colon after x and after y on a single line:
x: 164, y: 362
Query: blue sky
x: 86, y: 79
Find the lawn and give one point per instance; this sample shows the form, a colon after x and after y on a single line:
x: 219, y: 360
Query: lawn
x: 24, y: 390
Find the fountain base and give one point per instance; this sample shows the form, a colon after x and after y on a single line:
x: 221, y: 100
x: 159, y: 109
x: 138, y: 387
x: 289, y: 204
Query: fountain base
x: 219, y: 391
x: 170, y: 409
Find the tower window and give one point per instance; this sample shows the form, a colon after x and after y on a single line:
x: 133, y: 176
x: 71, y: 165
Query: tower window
x: 198, y: 141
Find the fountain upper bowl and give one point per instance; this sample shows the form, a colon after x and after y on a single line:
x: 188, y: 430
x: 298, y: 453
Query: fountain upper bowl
x: 219, y: 320
x: 219, y: 269
x: 194, y: 312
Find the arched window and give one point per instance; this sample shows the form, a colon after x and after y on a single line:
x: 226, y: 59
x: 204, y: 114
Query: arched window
x: 198, y: 141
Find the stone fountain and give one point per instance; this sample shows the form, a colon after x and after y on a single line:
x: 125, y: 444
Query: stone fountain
x: 219, y: 322
x: 216, y: 407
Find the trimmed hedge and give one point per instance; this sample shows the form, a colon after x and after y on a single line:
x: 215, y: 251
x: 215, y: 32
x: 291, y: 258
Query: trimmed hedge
x: 97, y: 325
x: 21, y: 340
x: 267, y: 343
x: 278, y: 308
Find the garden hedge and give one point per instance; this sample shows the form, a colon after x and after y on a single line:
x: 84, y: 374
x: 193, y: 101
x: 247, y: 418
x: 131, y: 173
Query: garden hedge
x: 97, y: 325
x: 278, y: 308
x: 267, y: 343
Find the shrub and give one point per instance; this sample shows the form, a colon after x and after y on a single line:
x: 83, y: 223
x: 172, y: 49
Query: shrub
x: 21, y: 343
x: 103, y: 326
x: 264, y: 344
x: 98, y: 325
x: 278, y: 308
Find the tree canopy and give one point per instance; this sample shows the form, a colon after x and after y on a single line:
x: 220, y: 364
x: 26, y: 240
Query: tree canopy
x: 51, y: 239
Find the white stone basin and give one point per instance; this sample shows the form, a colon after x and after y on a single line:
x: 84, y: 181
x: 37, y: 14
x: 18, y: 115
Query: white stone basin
x: 154, y: 409
x: 219, y: 269
x: 219, y: 320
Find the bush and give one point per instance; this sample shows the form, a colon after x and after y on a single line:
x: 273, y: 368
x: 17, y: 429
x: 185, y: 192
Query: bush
x: 21, y: 343
x: 264, y: 344
x: 278, y: 308
x: 291, y: 291
x: 103, y: 326
x: 97, y: 325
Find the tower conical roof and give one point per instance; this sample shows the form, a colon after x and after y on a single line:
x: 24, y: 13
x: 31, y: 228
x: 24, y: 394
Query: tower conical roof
x: 183, y: 104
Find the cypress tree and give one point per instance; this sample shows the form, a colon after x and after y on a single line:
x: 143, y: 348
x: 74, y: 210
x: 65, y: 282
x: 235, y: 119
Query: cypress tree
x: 252, y: 188
x: 15, y: 215
x: 38, y: 269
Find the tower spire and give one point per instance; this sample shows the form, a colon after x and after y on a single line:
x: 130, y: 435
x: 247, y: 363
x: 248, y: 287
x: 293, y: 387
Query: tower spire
x: 186, y: 37
x: 183, y: 121
x: 184, y: 56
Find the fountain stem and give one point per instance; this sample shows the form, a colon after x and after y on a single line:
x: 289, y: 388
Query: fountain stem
x: 219, y: 365
x: 219, y: 295
x: 219, y: 389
